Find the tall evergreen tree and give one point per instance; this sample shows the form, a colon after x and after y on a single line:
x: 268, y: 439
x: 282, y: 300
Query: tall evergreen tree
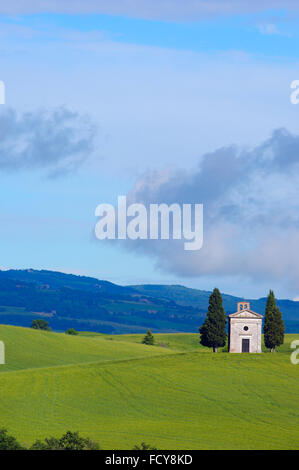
x: 273, y: 325
x: 148, y: 339
x: 212, y: 332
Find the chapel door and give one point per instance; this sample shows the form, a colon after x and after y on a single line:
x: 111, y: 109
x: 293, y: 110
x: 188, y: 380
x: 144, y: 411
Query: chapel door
x: 245, y: 345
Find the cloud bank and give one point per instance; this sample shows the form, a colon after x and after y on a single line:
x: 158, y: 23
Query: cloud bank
x: 251, y: 216
x: 58, y: 141
x: 151, y: 9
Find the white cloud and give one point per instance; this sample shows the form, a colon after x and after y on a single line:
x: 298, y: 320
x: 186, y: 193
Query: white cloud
x: 57, y: 140
x: 268, y: 29
x: 251, y: 220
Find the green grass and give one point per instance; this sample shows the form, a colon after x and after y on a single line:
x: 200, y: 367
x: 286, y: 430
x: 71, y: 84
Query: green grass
x: 187, y: 341
x: 120, y: 393
x: 26, y: 348
x: 173, y: 341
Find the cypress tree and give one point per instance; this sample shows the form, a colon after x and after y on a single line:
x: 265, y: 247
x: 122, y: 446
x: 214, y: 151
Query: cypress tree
x: 148, y: 339
x: 212, y: 332
x: 273, y: 325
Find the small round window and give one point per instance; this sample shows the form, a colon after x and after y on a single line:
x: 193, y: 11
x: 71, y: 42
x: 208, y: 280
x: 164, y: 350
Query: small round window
x: 245, y: 328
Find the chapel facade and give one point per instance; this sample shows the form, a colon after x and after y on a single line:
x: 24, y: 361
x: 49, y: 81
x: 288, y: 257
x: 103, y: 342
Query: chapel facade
x: 245, y: 330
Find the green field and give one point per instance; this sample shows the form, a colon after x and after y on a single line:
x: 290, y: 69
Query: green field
x: 119, y: 392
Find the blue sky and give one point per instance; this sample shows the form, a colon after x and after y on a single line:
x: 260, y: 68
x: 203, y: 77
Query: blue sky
x: 150, y: 96
x: 271, y: 34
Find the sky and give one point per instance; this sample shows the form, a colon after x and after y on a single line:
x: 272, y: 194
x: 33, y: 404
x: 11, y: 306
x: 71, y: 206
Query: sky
x: 162, y: 101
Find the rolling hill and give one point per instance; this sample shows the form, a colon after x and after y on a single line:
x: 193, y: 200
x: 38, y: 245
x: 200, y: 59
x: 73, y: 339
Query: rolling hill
x: 119, y: 392
x: 26, y: 348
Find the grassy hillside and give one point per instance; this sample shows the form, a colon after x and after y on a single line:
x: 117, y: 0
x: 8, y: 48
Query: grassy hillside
x: 170, y: 341
x: 190, y: 341
x: 26, y: 348
x: 120, y: 393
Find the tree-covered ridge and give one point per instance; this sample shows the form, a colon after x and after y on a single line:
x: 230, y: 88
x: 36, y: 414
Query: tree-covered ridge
x: 106, y: 310
x: 86, y: 303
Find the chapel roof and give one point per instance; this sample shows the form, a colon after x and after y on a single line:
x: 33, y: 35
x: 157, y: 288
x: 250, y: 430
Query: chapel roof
x: 246, y: 313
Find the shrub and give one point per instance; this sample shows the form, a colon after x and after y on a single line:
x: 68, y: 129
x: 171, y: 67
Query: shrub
x: 8, y: 442
x: 40, y: 324
x: 69, y: 441
x: 71, y: 331
x: 148, y: 339
x: 144, y: 446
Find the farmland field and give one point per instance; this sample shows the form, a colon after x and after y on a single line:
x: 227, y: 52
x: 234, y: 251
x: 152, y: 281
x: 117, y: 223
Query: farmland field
x: 177, y: 395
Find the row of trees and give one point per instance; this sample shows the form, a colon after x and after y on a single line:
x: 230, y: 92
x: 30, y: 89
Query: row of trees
x: 213, y: 334
x: 69, y: 441
x: 41, y: 324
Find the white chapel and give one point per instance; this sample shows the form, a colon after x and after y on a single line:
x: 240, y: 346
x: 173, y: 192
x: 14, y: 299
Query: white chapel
x: 245, y: 330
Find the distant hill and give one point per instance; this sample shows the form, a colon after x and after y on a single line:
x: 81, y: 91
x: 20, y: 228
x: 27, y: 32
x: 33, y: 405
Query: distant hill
x: 61, y: 280
x: 86, y: 303
x: 200, y: 298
